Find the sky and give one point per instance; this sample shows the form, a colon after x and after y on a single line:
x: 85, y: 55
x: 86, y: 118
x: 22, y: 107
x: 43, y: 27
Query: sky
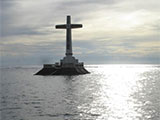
x: 114, y: 31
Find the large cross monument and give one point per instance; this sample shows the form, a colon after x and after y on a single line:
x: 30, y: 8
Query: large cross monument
x: 68, y: 65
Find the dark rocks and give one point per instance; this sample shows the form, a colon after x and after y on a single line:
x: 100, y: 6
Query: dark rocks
x: 54, y: 70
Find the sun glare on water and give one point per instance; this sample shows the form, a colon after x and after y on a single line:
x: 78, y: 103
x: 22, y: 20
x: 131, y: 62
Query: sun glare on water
x: 114, y: 98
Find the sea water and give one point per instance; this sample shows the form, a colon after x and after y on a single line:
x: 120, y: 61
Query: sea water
x: 109, y: 92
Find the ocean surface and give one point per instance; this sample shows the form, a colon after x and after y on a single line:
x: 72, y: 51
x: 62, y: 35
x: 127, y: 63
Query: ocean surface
x: 110, y: 92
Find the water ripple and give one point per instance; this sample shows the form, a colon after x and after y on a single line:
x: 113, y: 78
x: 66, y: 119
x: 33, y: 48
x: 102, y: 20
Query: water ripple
x: 110, y: 92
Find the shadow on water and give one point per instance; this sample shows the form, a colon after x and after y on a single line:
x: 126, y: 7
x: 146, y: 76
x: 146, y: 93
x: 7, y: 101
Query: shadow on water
x: 75, y: 95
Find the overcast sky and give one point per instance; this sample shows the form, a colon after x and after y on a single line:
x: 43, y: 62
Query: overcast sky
x: 114, y: 31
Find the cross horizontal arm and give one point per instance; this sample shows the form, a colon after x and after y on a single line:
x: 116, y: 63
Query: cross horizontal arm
x: 76, y: 25
x: 61, y: 26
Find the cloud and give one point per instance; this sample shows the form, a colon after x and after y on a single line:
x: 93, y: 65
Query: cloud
x: 112, y: 30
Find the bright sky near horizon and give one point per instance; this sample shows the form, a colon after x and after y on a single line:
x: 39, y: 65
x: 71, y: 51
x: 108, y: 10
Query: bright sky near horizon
x: 114, y: 31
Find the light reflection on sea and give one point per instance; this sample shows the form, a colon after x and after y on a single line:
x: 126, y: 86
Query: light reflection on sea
x: 110, y: 92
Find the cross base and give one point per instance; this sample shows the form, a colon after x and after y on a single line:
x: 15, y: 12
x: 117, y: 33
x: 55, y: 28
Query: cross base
x: 67, y: 66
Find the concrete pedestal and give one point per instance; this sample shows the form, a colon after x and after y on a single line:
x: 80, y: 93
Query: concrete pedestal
x: 67, y: 66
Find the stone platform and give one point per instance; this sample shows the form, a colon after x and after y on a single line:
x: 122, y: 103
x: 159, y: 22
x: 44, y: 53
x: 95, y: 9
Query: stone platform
x: 52, y: 69
x: 67, y: 66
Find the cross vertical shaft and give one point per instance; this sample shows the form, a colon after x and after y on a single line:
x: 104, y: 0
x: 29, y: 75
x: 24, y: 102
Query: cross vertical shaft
x: 68, y: 37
